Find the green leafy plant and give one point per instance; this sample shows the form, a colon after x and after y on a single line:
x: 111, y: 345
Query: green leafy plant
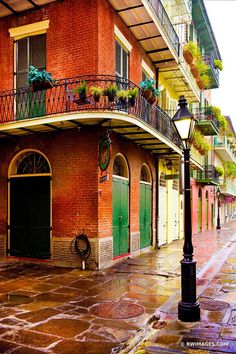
x: 205, y: 80
x: 219, y: 170
x: 216, y: 111
x: 200, y: 143
x: 193, y: 48
x: 81, y: 90
x: 201, y: 66
x: 122, y: 95
x: 39, y: 75
x: 229, y: 169
x: 132, y: 95
x: 96, y: 91
x: 110, y: 91
x: 149, y: 85
x: 218, y: 64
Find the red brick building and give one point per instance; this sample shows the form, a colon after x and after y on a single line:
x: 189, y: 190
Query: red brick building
x: 70, y: 164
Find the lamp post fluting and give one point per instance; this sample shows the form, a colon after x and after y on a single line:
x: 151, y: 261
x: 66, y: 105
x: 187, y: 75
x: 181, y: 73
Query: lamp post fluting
x: 218, y: 209
x: 188, y: 307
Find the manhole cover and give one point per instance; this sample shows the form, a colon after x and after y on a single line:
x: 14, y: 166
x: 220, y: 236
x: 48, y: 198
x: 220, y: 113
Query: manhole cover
x: 116, y: 310
x: 213, y: 305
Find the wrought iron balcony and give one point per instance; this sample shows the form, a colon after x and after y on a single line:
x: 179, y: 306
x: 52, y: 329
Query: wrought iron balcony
x: 206, y: 122
x: 166, y: 23
x: 228, y: 188
x: 22, y: 104
x: 207, y: 176
x: 212, y: 72
x: 223, y: 148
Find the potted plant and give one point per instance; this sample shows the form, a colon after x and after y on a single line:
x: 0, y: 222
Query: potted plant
x: 39, y: 79
x: 149, y: 90
x: 81, y: 90
x: 96, y: 91
x: 132, y: 95
x: 110, y: 91
x: 204, y: 81
x: 122, y: 96
x: 190, y: 51
x: 219, y: 171
x: 218, y: 64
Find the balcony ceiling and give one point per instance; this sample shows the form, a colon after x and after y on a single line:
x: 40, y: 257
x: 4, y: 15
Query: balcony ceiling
x: 130, y: 128
x: 144, y: 25
x: 14, y: 7
x: 141, y: 23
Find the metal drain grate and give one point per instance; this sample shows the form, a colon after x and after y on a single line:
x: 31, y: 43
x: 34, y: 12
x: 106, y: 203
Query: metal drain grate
x: 116, y: 310
x: 214, y: 305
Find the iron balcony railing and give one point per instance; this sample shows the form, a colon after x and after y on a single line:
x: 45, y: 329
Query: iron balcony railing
x: 209, y: 60
x: 166, y: 23
x: 207, y: 175
x: 205, y: 114
x: 23, y: 103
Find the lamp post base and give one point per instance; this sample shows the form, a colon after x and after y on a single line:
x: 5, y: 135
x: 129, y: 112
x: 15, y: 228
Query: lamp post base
x: 188, y: 312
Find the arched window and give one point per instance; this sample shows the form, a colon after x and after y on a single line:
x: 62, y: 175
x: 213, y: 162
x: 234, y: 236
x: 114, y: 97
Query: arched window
x: 145, y: 175
x: 162, y: 180
x: 29, y: 162
x: 120, y: 166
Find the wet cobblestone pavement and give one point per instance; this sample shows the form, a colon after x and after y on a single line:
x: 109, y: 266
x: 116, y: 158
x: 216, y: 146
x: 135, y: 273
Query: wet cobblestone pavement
x: 53, y: 310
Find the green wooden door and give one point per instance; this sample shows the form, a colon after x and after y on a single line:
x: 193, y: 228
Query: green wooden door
x: 30, y: 217
x: 145, y: 215
x: 120, y: 216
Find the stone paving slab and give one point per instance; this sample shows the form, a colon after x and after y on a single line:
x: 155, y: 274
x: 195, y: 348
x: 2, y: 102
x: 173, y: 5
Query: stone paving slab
x: 46, y: 309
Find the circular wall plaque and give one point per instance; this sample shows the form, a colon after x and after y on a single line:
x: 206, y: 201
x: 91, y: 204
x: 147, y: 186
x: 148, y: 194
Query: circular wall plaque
x: 104, y: 153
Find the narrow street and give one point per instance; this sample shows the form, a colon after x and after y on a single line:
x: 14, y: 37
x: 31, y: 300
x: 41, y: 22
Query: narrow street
x: 56, y: 310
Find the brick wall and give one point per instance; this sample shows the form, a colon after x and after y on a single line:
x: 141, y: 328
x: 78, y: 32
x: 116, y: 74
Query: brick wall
x: 135, y: 157
x: 79, y: 200
x: 80, y: 40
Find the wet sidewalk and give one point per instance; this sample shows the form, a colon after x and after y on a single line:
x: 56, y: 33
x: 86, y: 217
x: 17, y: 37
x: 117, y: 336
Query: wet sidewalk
x: 56, y: 310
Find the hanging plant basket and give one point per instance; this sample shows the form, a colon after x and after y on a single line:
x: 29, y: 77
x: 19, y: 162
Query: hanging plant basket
x: 194, y: 70
x: 200, y: 84
x: 149, y: 96
x: 188, y: 56
x: 40, y: 86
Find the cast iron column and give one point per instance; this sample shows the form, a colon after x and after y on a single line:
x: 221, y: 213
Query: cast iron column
x: 188, y: 308
x: 218, y: 212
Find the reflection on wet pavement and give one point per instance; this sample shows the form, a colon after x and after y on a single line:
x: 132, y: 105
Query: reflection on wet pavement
x: 46, y: 309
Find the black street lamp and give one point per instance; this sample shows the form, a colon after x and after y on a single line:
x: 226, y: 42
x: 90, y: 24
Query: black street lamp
x: 188, y: 307
x: 218, y: 209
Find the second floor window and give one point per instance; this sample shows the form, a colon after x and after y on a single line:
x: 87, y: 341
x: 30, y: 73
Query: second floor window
x: 121, y: 62
x: 29, y: 51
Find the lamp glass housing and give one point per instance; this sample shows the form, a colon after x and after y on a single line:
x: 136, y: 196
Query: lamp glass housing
x: 184, y: 122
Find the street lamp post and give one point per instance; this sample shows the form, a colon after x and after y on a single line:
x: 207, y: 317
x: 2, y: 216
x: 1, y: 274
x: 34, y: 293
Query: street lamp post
x: 218, y: 209
x: 188, y: 307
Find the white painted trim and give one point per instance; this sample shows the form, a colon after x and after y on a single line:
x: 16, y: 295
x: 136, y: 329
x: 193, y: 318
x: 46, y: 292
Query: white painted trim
x: 32, y: 29
x: 147, y: 69
x: 14, y: 159
x: 120, y: 177
x: 122, y: 40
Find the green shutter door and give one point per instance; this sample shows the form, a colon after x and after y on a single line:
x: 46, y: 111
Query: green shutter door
x: 145, y: 215
x: 120, y: 216
x: 30, y: 217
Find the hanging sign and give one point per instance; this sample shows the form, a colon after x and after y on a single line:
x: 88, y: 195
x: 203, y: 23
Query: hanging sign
x: 104, y: 153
